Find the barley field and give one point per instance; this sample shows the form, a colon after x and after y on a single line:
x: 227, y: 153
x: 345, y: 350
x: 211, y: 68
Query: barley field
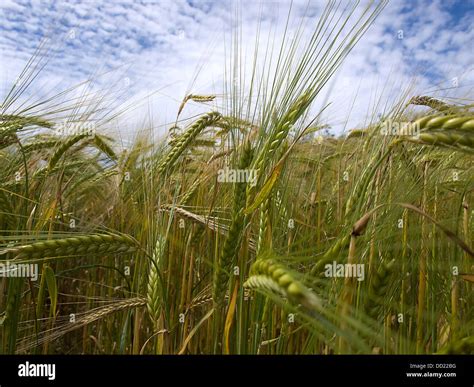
x: 245, y: 229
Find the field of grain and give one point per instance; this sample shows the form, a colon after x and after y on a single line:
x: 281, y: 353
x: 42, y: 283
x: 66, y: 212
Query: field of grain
x: 244, y: 230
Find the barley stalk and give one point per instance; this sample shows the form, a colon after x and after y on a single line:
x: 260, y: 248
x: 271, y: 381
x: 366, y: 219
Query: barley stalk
x: 228, y: 257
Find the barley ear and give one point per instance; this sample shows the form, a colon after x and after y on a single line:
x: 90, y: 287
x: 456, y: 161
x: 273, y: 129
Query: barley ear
x: 154, y: 293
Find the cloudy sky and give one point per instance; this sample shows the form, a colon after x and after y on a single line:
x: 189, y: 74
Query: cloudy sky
x: 152, y: 53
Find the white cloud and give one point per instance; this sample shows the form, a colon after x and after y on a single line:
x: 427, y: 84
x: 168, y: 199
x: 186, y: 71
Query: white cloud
x: 159, y: 46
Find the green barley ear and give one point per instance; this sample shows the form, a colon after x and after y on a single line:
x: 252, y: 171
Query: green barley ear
x: 100, y: 143
x: 463, y: 122
x: 227, y: 123
x: 39, y: 145
x: 447, y: 138
x: 154, y: 288
x: 8, y: 133
x: 342, y: 243
x: 431, y: 102
x: 11, y: 124
x: 282, y: 129
x: 80, y: 245
x: 228, y: 257
x: 455, y: 131
x: 448, y: 122
x: 265, y: 228
x: 201, y: 98
x: 268, y: 274
x: 271, y: 146
x: 357, y: 133
x: 378, y: 288
x: 354, y: 202
x: 191, y: 191
x: 63, y: 148
x: 25, y: 121
x: 183, y: 141
x: 330, y: 255
x: 195, y: 98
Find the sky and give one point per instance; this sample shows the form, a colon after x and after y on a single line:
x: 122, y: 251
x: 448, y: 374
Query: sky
x: 145, y: 56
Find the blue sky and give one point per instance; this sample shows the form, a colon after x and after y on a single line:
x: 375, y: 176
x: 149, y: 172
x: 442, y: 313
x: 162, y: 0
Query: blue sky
x: 169, y: 48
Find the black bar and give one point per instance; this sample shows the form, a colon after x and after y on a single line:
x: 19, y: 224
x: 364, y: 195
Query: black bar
x: 338, y: 370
